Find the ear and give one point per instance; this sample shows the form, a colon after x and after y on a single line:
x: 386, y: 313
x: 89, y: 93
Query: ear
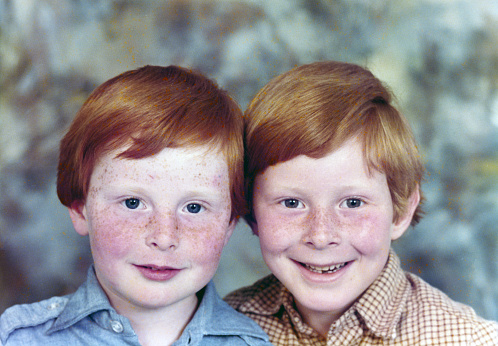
x: 230, y: 229
x: 254, y: 226
x: 251, y: 222
x: 404, y: 222
x: 77, y: 212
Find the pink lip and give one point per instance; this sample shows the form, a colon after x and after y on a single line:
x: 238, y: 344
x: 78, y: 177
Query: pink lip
x: 157, y: 273
x: 322, y: 278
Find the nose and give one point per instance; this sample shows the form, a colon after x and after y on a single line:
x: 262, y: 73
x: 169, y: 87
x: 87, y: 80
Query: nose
x: 162, y: 232
x: 321, y: 229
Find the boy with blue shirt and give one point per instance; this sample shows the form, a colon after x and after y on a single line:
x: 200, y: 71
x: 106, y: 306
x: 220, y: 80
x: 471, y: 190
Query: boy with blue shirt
x: 151, y: 170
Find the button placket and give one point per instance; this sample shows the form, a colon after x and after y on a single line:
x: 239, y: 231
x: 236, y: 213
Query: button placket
x: 53, y: 306
x: 117, y: 326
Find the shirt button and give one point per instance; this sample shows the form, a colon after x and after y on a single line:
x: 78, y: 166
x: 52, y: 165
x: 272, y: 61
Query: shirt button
x: 117, y: 326
x: 53, y: 306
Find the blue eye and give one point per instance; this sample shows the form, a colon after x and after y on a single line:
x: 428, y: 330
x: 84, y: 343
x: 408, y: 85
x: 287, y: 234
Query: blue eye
x: 194, y: 208
x: 353, y: 203
x: 132, y: 203
x: 292, y: 203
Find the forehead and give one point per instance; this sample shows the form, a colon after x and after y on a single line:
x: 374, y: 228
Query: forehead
x: 347, y: 163
x: 191, y: 162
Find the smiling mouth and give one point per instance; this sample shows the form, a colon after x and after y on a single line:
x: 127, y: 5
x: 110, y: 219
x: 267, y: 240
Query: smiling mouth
x: 324, y: 270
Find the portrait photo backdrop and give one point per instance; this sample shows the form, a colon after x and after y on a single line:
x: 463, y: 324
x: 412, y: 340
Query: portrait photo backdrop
x: 439, y: 58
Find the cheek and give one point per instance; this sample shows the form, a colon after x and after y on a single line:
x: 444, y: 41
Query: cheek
x: 112, y: 235
x: 370, y: 233
x: 205, y: 242
x: 277, y: 233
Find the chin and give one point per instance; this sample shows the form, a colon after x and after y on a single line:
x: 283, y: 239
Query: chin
x: 325, y: 305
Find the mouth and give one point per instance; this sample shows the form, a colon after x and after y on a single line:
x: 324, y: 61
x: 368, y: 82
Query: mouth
x: 157, y: 273
x: 324, y: 269
x: 155, y: 268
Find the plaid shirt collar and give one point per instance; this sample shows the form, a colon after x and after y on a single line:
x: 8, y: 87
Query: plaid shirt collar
x: 379, y: 309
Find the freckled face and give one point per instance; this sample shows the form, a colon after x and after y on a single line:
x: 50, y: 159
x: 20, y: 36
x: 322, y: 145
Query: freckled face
x: 157, y: 225
x: 325, y: 228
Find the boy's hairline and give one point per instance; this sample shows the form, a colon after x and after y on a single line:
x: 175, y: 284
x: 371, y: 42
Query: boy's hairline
x: 265, y: 106
x: 328, y: 148
x: 123, y: 146
x: 75, y: 186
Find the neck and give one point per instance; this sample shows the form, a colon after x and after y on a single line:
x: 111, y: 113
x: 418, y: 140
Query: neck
x: 161, y: 326
x: 318, y: 320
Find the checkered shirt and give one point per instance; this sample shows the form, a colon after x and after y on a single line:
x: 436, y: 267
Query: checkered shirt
x: 398, y: 308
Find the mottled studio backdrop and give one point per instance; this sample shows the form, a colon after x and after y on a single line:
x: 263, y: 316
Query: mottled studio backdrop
x: 439, y: 57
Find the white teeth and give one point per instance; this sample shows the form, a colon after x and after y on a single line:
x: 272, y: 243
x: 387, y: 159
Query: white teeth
x: 324, y: 270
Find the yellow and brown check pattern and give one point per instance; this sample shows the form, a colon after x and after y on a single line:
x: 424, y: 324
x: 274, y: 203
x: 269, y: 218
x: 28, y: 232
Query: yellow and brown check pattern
x: 397, y: 309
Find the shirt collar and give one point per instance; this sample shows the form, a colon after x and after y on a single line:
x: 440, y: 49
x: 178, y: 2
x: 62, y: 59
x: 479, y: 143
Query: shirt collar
x: 215, y: 317
x: 267, y: 297
x: 380, y: 307
x: 88, y: 299
x: 209, y: 319
x: 382, y: 304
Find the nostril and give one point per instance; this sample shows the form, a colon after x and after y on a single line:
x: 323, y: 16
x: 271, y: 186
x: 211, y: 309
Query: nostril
x: 163, y: 243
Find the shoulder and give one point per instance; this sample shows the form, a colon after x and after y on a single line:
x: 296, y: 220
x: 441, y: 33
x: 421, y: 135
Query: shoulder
x: 33, y: 319
x: 435, y: 311
x: 221, y: 324
x: 267, y: 288
x: 425, y: 299
x: 263, y: 302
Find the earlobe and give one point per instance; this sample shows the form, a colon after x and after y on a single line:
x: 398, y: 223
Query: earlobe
x: 77, y: 212
x: 251, y: 222
x: 230, y: 229
x: 254, y: 227
x: 404, y: 222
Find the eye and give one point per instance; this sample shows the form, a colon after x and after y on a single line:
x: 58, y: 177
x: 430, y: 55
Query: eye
x: 352, y: 203
x: 292, y: 203
x: 132, y: 203
x: 194, y: 208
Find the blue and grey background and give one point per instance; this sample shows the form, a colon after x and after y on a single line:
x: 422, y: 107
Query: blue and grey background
x: 440, y: 58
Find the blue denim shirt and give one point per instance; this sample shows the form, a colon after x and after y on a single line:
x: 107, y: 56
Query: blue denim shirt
x: 86, y: 318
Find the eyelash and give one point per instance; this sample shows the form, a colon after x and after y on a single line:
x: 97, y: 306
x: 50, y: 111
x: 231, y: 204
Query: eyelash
x: 356, y: 200
x: 137, y: 203
x: 347, y: 203
x: 202, y: 208
x: 293, y: 200
x: 133, y: 200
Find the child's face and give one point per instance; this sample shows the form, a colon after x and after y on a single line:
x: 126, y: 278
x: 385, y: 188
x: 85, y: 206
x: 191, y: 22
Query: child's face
x: 157, y: 225
x: 325, y: 228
